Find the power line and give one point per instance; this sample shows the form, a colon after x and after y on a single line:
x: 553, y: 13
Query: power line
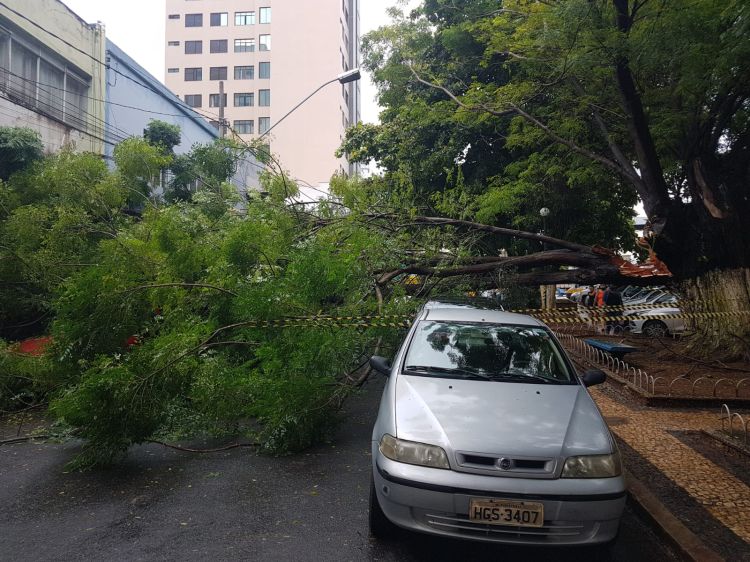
x: 27, y: 120
x: 101, y: 100
x: 52, y: 95
x: 93, y: 121
x: 98, y: 129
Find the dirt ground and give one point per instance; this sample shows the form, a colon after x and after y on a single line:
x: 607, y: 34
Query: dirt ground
x: 681, y: 371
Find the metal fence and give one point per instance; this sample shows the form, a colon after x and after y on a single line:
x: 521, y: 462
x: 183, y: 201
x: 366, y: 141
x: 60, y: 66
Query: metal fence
x: 655, y: 385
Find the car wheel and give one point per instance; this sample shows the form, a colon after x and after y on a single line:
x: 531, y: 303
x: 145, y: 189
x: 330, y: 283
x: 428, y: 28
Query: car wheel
x: 655, y: 329
x: 380, y: 526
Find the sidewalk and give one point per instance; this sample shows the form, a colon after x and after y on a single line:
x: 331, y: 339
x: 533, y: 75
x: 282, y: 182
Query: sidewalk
x: 705, y: 489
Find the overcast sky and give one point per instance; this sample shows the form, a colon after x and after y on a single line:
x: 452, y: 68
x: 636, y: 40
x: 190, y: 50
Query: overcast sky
x: 137, y: 27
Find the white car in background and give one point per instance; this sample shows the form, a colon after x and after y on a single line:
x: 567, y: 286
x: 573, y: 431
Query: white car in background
x: 657, y: 327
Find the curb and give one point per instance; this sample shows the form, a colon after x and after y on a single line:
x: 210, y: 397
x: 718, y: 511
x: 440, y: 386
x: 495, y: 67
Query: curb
x: 687, y: 543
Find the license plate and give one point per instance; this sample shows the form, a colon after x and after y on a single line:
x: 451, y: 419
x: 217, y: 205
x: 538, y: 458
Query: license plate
x: 506, y: 512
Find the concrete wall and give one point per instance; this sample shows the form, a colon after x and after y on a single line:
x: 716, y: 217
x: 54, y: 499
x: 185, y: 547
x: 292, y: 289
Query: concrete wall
x: 55, y: 135
x: 55, y: 17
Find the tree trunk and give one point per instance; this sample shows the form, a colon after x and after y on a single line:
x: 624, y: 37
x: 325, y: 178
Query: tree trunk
x: 720, y: 291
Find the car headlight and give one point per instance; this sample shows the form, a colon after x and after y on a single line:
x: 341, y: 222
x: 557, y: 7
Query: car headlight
x: 410, y: 452
x: 593, y: 466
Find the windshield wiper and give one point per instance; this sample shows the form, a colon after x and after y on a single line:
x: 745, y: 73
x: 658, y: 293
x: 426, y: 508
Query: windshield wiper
x: 518, y: 376
x: 446, y: 370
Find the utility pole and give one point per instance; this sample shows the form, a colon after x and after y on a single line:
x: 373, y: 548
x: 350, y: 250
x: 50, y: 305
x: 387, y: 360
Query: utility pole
x: 222, y: 121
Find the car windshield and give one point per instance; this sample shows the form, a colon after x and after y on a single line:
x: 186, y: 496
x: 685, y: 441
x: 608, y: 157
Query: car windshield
x: 486, y: 351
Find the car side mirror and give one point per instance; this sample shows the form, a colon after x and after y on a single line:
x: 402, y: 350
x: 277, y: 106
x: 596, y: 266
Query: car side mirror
x: 381, y: 365
x: 593, y: 376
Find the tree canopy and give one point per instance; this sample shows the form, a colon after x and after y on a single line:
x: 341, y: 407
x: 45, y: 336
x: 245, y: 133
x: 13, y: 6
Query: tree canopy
x: 585, y: 104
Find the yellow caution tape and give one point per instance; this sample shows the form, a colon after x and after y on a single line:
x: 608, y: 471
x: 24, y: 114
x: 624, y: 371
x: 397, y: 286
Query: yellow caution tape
x: 405, y: 320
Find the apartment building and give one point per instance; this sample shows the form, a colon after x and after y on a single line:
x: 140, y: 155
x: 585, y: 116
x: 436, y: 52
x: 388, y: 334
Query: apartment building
x: 269, y: 55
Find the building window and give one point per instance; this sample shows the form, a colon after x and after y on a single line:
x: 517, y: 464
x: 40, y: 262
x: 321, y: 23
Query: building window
x: 244, y: 18
x: 37, y: 83
x: 173, y: 70
x: 244, y: 45
x: 265, y: 43
x: 193, y: 47
x: 51, y: 84
x: 195, y: 100
x: 174, y: 16
x: 218, y: 73
x: 264, y: 98
x: 193, y: 74
x: 265, y: 15
x: 245, y: 127
x: 244, y: 72
x: 264, y: 124
x: 264, y: 70
x: 219, y: 19
x: 214, y: 100
x: 219, y: 45
x: 193, y: 20
x: 244, y: 99
x: 173, y: 43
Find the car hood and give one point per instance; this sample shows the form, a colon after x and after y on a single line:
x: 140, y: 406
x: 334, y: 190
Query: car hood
x: 504, y: 418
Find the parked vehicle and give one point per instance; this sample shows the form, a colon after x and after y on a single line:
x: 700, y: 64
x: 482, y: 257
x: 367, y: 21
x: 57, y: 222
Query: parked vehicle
x: 657, y: 327
x: 486, y: 432
x: 657, y: 296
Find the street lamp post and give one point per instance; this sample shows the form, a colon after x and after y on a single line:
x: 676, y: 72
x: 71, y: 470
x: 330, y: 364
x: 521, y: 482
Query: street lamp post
x: 544, y: 213
x: 343, y: 78
x: 547, y: 292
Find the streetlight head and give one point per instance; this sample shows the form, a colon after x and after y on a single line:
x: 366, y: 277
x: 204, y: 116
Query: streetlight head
x: 349, y: 76
x: 544, y: 211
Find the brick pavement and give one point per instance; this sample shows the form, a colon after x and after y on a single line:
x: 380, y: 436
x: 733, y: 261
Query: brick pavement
x: 647, y: 431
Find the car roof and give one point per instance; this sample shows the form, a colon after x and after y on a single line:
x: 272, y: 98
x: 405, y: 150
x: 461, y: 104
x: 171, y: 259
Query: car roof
x: 465, y: 312
x: 480, y: 303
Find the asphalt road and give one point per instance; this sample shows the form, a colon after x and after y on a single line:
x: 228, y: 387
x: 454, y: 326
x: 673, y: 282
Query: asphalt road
x: 160, y: 504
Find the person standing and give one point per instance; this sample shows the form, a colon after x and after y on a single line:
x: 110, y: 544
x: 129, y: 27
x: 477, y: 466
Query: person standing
x: 600, y: 296
x: 613, y: 301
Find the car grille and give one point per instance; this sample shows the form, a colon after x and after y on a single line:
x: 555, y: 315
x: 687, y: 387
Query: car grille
x: 526, y: 467
x: 552, y: 531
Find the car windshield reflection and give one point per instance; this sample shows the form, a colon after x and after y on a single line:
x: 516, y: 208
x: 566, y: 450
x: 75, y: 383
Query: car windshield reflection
x: 486, y: 352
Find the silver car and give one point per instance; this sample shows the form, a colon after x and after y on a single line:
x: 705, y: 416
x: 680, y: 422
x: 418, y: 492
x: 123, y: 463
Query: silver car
x: 486, y: 432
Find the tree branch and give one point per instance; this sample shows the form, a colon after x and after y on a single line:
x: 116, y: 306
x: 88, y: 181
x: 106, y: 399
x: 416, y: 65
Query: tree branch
x: 183, y: 285
x: 625, y: 164
x: 570, y: 144
x: 515, y: 110
x: 441, y: 221
x: 480, y: 108
x: 587, y: 260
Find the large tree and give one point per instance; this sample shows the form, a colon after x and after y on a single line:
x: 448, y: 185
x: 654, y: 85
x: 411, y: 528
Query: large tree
x: 647, y: 96
x: 622, y: 98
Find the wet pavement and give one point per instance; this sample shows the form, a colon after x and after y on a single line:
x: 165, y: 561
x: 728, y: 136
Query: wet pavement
x: 161, y: 504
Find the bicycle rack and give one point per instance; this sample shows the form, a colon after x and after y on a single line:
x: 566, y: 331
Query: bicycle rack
x: 726, y: 416
x: 654, y: 381
x: 678, y: 379
x: 718, y: 382
x: 695, y: 383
